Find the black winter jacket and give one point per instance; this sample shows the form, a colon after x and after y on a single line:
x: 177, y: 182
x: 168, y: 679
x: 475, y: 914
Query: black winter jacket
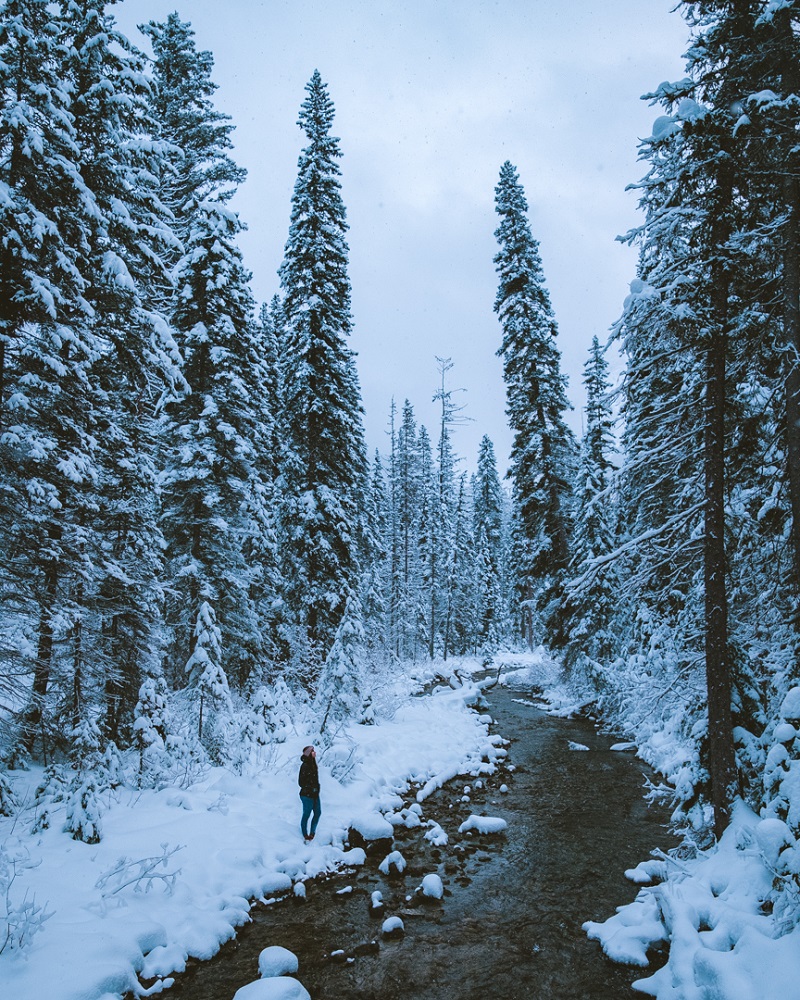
x: 308, y: 779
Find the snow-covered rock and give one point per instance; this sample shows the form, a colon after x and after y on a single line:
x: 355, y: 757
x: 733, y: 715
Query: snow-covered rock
x: 371, y: 831
x: 276, y: 961
x: 278, y: 988
x: 436, y: 835
x: 412, y: 820
x: 577, y: 746
x: 393, y: 926
x: 483, y: 824
x: 432, y: 886
x: 394, y: 860
x: 372, y: 826
x: 647, y: 872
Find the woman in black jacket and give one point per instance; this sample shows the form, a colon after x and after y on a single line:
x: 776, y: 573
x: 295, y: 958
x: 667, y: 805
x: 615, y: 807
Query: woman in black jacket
x: 309, y: 792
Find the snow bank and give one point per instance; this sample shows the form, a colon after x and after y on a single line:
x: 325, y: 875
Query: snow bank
x: 722, y: 941
x: 234, y: 838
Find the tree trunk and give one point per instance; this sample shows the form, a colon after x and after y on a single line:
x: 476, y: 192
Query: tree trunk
x: 432, y: 624
x: 44, y: 660
x: 721, y: 756
x: 791, y: 321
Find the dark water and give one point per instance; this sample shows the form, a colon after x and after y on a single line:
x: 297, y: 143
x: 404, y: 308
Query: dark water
x: 509, y: 926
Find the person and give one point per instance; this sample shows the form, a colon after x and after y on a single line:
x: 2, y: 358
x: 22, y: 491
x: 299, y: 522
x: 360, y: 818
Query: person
x: 308, y: 780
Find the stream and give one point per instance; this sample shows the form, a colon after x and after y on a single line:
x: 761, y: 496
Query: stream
x: 509, y: 926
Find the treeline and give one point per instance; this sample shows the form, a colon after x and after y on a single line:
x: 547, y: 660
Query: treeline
x: 190, y: 523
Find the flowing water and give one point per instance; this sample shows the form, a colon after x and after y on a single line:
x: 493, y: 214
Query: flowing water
x: 509, y: 926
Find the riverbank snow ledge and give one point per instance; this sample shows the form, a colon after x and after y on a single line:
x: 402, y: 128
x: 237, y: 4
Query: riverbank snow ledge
x: 722, y: 943
x: 233, y: 838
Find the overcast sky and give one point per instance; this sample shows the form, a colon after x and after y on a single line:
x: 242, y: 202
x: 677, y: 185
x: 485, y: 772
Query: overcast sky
x: 431, y: 97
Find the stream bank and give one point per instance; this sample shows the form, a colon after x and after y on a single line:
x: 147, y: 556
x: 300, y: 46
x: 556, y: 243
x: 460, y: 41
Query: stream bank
x: 509, y: 926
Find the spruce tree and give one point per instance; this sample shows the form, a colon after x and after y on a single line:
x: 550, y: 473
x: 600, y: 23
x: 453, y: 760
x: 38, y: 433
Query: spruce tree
x: 488, y: 534
x: 208, y: 482
x: 200, y: 135
x: 46, y: 346
x: 405, y: 483
x: 592, y: 588
x: 697, y: 194
x: 326, y: 471
x: 543, y: 450
x: 376, y: 580
x: 461, y: 624
x: 127, y: 242
x: 339, y: 695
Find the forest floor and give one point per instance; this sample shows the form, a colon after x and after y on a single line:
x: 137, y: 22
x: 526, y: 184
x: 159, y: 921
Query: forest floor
x: 510, y: 923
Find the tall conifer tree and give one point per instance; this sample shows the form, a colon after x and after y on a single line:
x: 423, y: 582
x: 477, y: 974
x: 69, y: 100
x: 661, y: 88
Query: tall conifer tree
x: 543, y: 451
x: 326, y: 471
x: 592, y: 593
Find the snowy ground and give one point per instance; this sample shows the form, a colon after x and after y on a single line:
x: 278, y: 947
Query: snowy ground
x: 176, y: 868
x: 226, y: 839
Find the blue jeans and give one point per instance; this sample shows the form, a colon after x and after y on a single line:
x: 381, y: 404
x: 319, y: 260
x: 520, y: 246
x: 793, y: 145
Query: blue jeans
x: 309, y: 805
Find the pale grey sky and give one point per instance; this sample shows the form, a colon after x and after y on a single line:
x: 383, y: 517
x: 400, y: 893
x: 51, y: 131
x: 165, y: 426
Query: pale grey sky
x: 431, y: 97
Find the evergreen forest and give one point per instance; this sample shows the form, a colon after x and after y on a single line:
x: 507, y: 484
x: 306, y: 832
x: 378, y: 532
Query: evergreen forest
x: 194, y: 541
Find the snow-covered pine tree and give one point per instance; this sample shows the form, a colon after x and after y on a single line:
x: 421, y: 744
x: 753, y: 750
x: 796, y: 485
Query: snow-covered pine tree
x: 326, y: 471
x: 217, y: 489
x: 39, y: 276
x: 703, y: 281
x: 339, y: 692
x: 8, y: 801
x: 375, y: 583
x: 542, y: 456
x: 488, y: 533
x: 429, y: 541
x: 260, y: 721
x: 460, y: 632
x: 151, y: 725
x: 83, y: 818
x: 46, y: 409
x: 200, y: 135
x: 447, y: 496
x: 592, y: 589
x: 128, y: 240
x: 405, y: 489
x: 208, y: 434
x: 268, y: 339
x: 205, y: 673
